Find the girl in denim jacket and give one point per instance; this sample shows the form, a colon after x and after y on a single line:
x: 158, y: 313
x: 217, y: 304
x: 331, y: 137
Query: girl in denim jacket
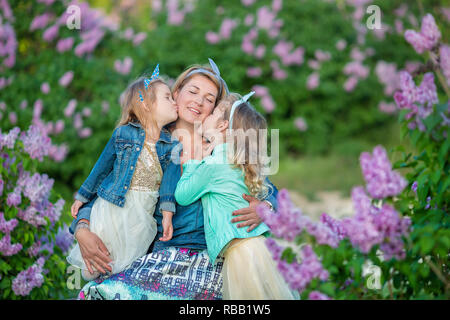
x: 127, y: 176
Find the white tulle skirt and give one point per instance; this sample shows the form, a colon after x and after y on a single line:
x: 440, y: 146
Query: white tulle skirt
x: 127, y: 232
x: 250, y: 273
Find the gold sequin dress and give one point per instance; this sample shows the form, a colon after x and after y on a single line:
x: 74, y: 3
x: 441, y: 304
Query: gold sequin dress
x: 127, y: 231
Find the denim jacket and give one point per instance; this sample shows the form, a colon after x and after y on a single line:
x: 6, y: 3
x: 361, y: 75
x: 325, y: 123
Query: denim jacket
x: 113, y: 171
x: 188, y: 228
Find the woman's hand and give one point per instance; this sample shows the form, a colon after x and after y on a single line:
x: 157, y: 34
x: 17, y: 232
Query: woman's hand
x: 167, y: 226
x: 93, y: 250
x: 248, y: 216
x: 75, y: 207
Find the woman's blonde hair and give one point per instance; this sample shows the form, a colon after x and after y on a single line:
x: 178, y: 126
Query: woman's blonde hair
x: 187, y: 74
x: 131, y: 104
x: 245, y: 154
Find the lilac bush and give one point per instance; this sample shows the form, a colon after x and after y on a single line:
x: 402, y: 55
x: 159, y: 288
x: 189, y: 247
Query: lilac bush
x: 400, y: 221
x: 33, y: 239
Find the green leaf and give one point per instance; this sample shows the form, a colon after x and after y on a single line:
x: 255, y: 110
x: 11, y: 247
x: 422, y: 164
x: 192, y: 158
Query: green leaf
x: 426, y: 244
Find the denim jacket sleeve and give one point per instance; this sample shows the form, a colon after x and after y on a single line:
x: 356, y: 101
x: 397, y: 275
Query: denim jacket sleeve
x: 102, y: 168
x: 167, y: 188
x: 272, y: 196
x: 83, y: 213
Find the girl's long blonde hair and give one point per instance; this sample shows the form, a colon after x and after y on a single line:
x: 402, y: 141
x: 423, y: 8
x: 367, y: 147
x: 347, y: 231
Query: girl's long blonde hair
x: 246, y: 118
x: 131, y: 105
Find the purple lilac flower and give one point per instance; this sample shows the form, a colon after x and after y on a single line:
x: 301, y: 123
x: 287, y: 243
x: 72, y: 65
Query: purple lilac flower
x: 34, y: 249
x: 14, y: 198
x: 333, y: 224
x: 139, y: 38
x: 316, y: 295
x: 12, y: 116
x: 428, y: 36
x: 381, y: 180
x: 8, y: 44
x: 9, y: 139
x: 70, y: 108
x: 323, y: 234
x: 288, y: 222
x: 299, y: 275
x: 32, y: 216
x: 123, y: 67
x: 64, y: 239
x: 7, y: 248
x: 45, y: 88
x: 300, y: 124
x: 64, y: 44
x: 66, y: 79
x: 445, y: 61
x: 29, y: 279
x: 51, y: 33
x: 36, y: 142
x: 414, y: 186
x: 2, y: 184
x: 7, y: 226
x: 38, y: 187
x: 389, y: 223
x: 58, y: 153
x: 419, y: 100
x: 40, y: 21
x: 313, y: 81
x: 254, y: 72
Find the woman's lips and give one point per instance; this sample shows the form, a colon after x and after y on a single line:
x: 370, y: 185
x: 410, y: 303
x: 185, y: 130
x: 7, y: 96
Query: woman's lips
x: 194, y: 111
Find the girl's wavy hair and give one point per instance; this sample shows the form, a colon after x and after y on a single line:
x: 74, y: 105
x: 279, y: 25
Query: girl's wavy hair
x: 132, y: 106
x: 246, y: 118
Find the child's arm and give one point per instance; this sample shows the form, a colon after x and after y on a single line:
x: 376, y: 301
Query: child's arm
x: 102, y: 168
x: 167, y: 226
x: 195, y: 181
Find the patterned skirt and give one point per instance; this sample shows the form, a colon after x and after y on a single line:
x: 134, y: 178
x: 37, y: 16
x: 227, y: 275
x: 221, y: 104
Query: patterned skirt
x: 168, y: 274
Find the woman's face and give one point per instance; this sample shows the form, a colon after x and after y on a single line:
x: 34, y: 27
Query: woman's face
x: 196, y: 99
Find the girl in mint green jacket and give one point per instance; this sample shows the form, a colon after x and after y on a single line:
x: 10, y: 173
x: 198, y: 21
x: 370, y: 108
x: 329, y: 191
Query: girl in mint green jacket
x: 234, y: 167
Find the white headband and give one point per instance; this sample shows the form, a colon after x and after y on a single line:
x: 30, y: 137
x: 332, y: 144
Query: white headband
x: 235, y: 105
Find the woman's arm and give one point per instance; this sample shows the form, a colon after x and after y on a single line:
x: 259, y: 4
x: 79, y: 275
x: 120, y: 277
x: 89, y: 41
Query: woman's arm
x: 194, y: 182
x: 248, y: 216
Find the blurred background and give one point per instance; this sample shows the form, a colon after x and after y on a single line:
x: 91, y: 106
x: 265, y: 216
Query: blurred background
x: 321, y: 76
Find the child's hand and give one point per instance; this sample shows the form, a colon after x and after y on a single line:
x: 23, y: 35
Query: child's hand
x: 75, y: 207
x: 167, y: 226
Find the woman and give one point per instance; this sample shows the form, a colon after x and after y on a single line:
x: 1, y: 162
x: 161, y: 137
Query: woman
x: 178, y: 268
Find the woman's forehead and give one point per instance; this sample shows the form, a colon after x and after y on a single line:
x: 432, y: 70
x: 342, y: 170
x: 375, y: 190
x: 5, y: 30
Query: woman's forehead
x: 203, y: 83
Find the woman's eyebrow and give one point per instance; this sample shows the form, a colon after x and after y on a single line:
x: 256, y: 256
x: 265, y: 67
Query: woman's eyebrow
x: 209, y: 93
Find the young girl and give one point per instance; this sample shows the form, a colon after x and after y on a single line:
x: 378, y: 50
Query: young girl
x: 127, y: 176
x: 220, y: 180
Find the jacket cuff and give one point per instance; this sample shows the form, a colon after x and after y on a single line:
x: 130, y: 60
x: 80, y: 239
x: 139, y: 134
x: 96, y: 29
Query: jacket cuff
x: 82, y: 214
x: 79, y: 197
x: 85, y: 194
x: 167, y: 206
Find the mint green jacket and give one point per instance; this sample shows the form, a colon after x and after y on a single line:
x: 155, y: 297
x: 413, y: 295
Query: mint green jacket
x: 220, y: 187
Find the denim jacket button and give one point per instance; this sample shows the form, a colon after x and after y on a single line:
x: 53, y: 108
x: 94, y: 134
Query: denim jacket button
x: 125, y: 187
x: 137, y: 149
x: 131, y: 167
